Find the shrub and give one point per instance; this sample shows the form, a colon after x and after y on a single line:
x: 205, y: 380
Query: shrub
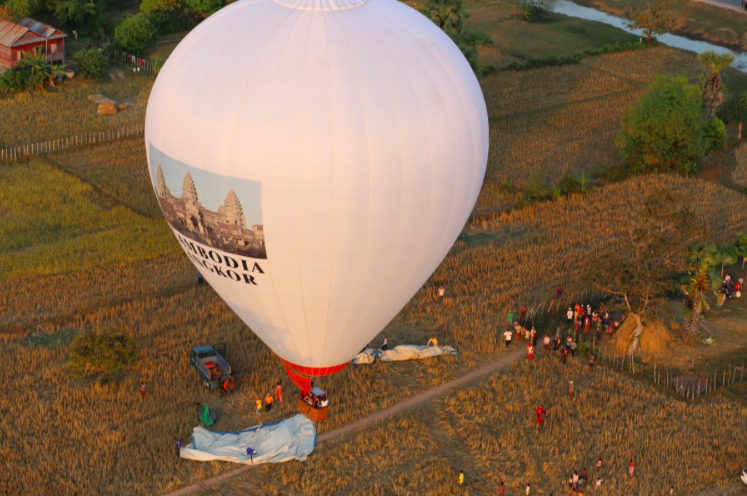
x: 13, y: 81
x: 714, y: 135
x: 135, y: 33
x: 91, y: 62
x: 531, y: 10
x: 101, y: 352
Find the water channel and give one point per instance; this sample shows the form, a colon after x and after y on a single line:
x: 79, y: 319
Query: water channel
x: 574, y: 10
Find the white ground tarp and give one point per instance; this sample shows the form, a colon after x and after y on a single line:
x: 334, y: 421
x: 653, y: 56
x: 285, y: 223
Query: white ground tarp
x: 403, y: 352
x: 290, y: 439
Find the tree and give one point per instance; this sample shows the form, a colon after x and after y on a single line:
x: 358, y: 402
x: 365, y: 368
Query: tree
x: 102, y: 352
x: 92, y: 63
x: 78, y: 13
x: 450, y: 16
x: 163, y: 12
x: 714, y: 135
x: 712, y: 88
x: 725, y: 256
x: 205, y: 8
x: 655, y: 16
x: 135, y: 33
x: 664, y: 131
x: 654, y: 247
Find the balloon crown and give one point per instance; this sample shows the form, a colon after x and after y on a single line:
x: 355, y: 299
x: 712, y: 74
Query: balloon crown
x: 321, y: 5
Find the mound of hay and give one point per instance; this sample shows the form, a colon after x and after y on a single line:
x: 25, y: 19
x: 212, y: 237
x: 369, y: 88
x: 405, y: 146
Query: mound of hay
x: 655, y: 340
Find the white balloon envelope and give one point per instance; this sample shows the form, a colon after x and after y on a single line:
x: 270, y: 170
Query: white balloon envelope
x: 316, y: 159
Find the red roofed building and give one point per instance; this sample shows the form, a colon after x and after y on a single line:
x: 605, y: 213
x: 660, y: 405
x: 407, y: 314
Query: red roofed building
x: 32, y: 36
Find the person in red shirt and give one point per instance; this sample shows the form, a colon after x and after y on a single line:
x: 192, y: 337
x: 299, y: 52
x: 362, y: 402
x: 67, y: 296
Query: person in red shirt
x: 530, y: 351
x: 540, y: 413
x: 142, y: 389
x: 631, y: 467
x: 279, y: 392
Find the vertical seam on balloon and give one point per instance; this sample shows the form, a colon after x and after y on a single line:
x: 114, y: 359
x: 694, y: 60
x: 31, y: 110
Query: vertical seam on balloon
x: 274, y: 288
x: 332, y: 244
x: 443, y: 231
x: 298, y: 195
x: 430, y: 150
x: 401, y: 205
x: 274, y: 330
x: 368, y: 216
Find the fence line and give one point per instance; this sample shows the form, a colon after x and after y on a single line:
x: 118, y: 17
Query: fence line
x: 30, y: 149
x: 135, y: 61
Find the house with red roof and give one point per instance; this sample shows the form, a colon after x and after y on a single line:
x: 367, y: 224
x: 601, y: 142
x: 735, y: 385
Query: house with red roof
x: 30, y: 36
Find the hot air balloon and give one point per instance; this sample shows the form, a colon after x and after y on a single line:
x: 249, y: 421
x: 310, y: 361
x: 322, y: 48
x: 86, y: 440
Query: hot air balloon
x: 316, y: 159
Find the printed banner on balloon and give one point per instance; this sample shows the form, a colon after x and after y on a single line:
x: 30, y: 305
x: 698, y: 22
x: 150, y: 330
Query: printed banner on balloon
x: 211, y: 209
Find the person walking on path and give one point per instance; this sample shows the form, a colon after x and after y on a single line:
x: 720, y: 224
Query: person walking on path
x: 279, y: 392
x: 142, y: 390
x: 631, y: 467
x: 268, y: 402
x: 507, y: 337
x: 574, y: 480
x: 547, y: 343
x: 258, y: 404
x: 432, y: 342
x: 569, y: 315
x: 570, y: 389
x: 540, y: 413
x: 573, y: 348
x: 530, y: 352
x: 178, y: 447
x: 441, y: 294
x: 564, y: 355
x: 385, y: 343
x: 461, y: 477
x: 533, y: 336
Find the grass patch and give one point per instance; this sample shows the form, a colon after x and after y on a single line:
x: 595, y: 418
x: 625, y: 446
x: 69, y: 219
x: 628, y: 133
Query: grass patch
x: 118, y: 168
x: 55, y: 223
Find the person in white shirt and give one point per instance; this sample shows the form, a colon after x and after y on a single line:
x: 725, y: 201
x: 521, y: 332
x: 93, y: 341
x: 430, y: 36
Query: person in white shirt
x: 507, y: 336
x: 441, y: 293
x: 569, y: 314
x: 547, y: 342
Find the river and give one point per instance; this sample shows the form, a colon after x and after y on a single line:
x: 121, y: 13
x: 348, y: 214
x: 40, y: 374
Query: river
x: 574, y: 10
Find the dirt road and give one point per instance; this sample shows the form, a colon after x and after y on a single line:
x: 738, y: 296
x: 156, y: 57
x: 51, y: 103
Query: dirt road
x: 502, y: 363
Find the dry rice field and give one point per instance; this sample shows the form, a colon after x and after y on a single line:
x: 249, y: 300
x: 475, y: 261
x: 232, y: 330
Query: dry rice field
x: 83, y: 246
x: 488, y: 430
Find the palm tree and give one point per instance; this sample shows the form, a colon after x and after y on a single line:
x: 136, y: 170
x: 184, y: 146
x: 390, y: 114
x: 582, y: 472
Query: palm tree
x: 41, y: 73
x: 448, y: 15
x: 713, y: 94
x: 725, y: 256
x: 695, y: 293
x: 704, y: 254
x: 740, y: 246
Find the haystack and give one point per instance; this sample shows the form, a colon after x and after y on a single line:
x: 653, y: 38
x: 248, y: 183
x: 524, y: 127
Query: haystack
x: 654, y: 342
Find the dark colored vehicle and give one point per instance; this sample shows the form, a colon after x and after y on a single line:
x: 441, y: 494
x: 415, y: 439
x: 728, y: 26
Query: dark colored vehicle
x: 210, y: 364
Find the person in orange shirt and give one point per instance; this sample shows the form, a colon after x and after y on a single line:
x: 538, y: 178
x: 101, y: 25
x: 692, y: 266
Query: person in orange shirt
x: 279, y: 392
x: 268, y: 402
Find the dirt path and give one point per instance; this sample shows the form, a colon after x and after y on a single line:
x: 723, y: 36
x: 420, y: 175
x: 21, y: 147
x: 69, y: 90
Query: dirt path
x: 503, y: 362
x: 734, y: 490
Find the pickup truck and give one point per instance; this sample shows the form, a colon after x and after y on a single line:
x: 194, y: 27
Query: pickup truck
x: 212, y: 367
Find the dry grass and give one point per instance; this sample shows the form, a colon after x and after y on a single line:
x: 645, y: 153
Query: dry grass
x: 488, y: 431
x: 64, y: 111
